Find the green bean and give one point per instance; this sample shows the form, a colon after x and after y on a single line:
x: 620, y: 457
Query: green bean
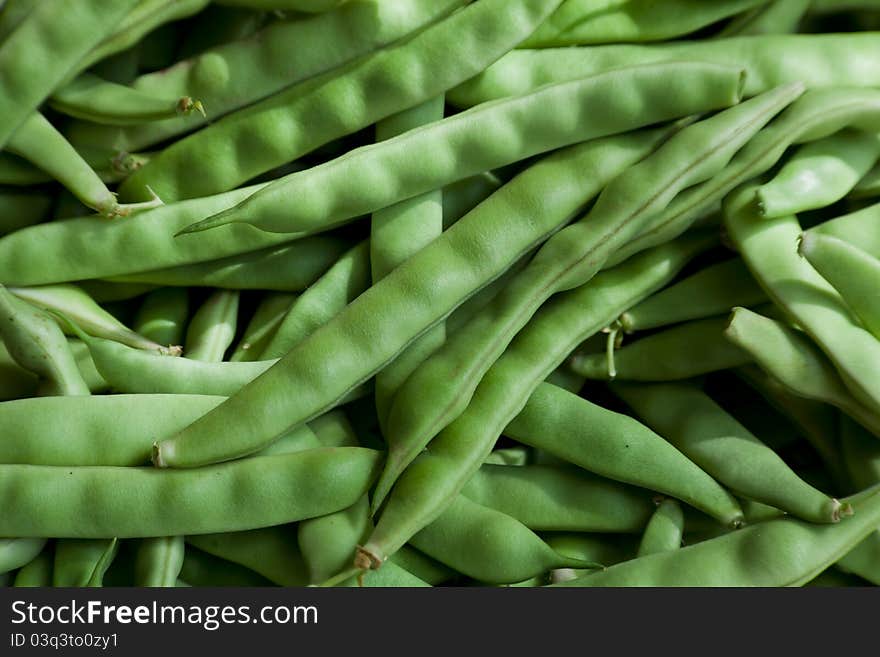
x: 260, y: 491
x: 868, y: 186
x: 158, y: 561
x: 488, y: 545
x: 83, y: 562
x: 38, y: 571
x: 212, y: 327
x: 515, y: 456
x: 680, y: 352
x: 545, y: 342
x: 162, y: 317
x: 859, y: 228
x: 86, y: 366
x: 311, y: 6
x: 546, y: 498
x: 421, y: 565
x: 15, y: 381
x: 232, y: 75
x: 819, y: 173
x: 817, y: 60
x: 202, y: 569
x: 41, y: 50
x: 580, y: 22
x: 215, y: 27
x: 464, y: 195
x: 12, y: 13
x: 271, y: 551
x: 607, y: 549
x: 15, y: 170
x: 16, y: 552
x: 765, y: 245
x: 793, y: 360
x: 88, y: 315
x: 774, y: 17
x: 263, y: 325
x: 396, y: 233
x: 862, y: 560
x: 861, y: 454
x: 482, y: 138
x: 39, y: 142
x: 107, y: 292
x: 713, y: 290
x: 781, y: 552
x: 471, y: 253
x: 334, y: 429
x: 441, y: 388
x: 35, y: 341
x: 271, y: 132
x: 726, y: 450
x: 850, y: 270
x: 664, y: 530
x: 90, y: 97
x: 21, y: 208
x: 286, y: 267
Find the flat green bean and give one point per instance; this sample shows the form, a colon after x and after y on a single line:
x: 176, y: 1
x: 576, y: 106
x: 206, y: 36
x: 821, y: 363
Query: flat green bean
x: 82, y: 562
x: 158, y: 561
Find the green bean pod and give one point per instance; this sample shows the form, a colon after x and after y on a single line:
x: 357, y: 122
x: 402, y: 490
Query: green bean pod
x: 819, y: 173
x: 203, y: 569
x: 861, y: 454
x: 780, y: 552
x: 480, y: 139
x: 726, y: 450
x: 664, y: 531
x: 286, y: 267
x: 464, y: 195
x: 158, y: 561
x: 868, y: 186
x: 766, y: 247
x: 365, y: 335
x: 854, y: 273
x: 37, y: 571
x: 82, y: 562
x: 16, y: 552
x: 20, y: 208
x: 127, y: 502
x: 773, y: 17
x: 861, y: 228
x: 262, y: 326
x: 713, y: 290
x: 680, y: 352
x: 793, y: 360
x: 272, y: 130
x: 212, y: 327
x: 582, y: 22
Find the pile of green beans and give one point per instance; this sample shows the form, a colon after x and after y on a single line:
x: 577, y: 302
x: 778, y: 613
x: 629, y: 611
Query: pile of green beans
x: 412, y: 293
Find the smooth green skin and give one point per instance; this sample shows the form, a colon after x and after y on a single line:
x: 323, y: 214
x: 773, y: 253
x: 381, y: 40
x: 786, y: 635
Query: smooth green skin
x: 868, y: 186
x: 75, y: 303
x: 20, y: 208
x: 86, y: 366
x: 817, y: 60
x: 35, y: 342
x: 42, y: 50
x: 106, y: 292
x: 862, y: 560
x: 158, y: 561
x: 421, y: 565
x: 36, y: 572
x: 583, y: 22
x: 311, y: 6
x: 483, y: 138
x: 82, y: 562
x: 548, y: 498
x: 774, y: 17
x: 383, y: 320
x: 514, y: 456
x: 15, y: 381
x: 793, y: 285
x: 440, y: 390
x: 17, y: 171
x: 607, y: 549
x: 12, y: 13
x: 163, y: 315
x: 16, y: 552
x: 488, y: 545
x: 462, y: 196
x: 680, y: 352
x: 40, y: 143
x: 234, y: 74
x: 203, y: 569
x: 214, y: 27
x: 327, y: 543
x: 780, y: 552
x: 273, y: 132
x: 271, y: 551
x: 94, y: 99
x: 854, y: 273
x: 792, y: 359
x: 819, y: 173
x: 262, y: 326
x: 664, y: 530
x: 396, y: 233
x: 546, y: 341
x: 333, y: 429
x: 704, y: 432
x: 861, y: 454
x: 212, y: 327
x: 860, y: 228
x: 817, y: 114
x: 341, y: 284
x: 286, y: 267
x: 262, y: 491
x: 713, y: 290
x: 136, y: 371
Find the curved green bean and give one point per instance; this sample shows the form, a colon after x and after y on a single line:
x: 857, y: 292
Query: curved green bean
x: 861, y: 228
x: 664, y: 530
x: 158, y: 561
x: 82, y: 562
x: 212, y: 327
x: 262, y: 326
x: 162, y: 317
x: 37, y: 571
x: 16, y: 552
